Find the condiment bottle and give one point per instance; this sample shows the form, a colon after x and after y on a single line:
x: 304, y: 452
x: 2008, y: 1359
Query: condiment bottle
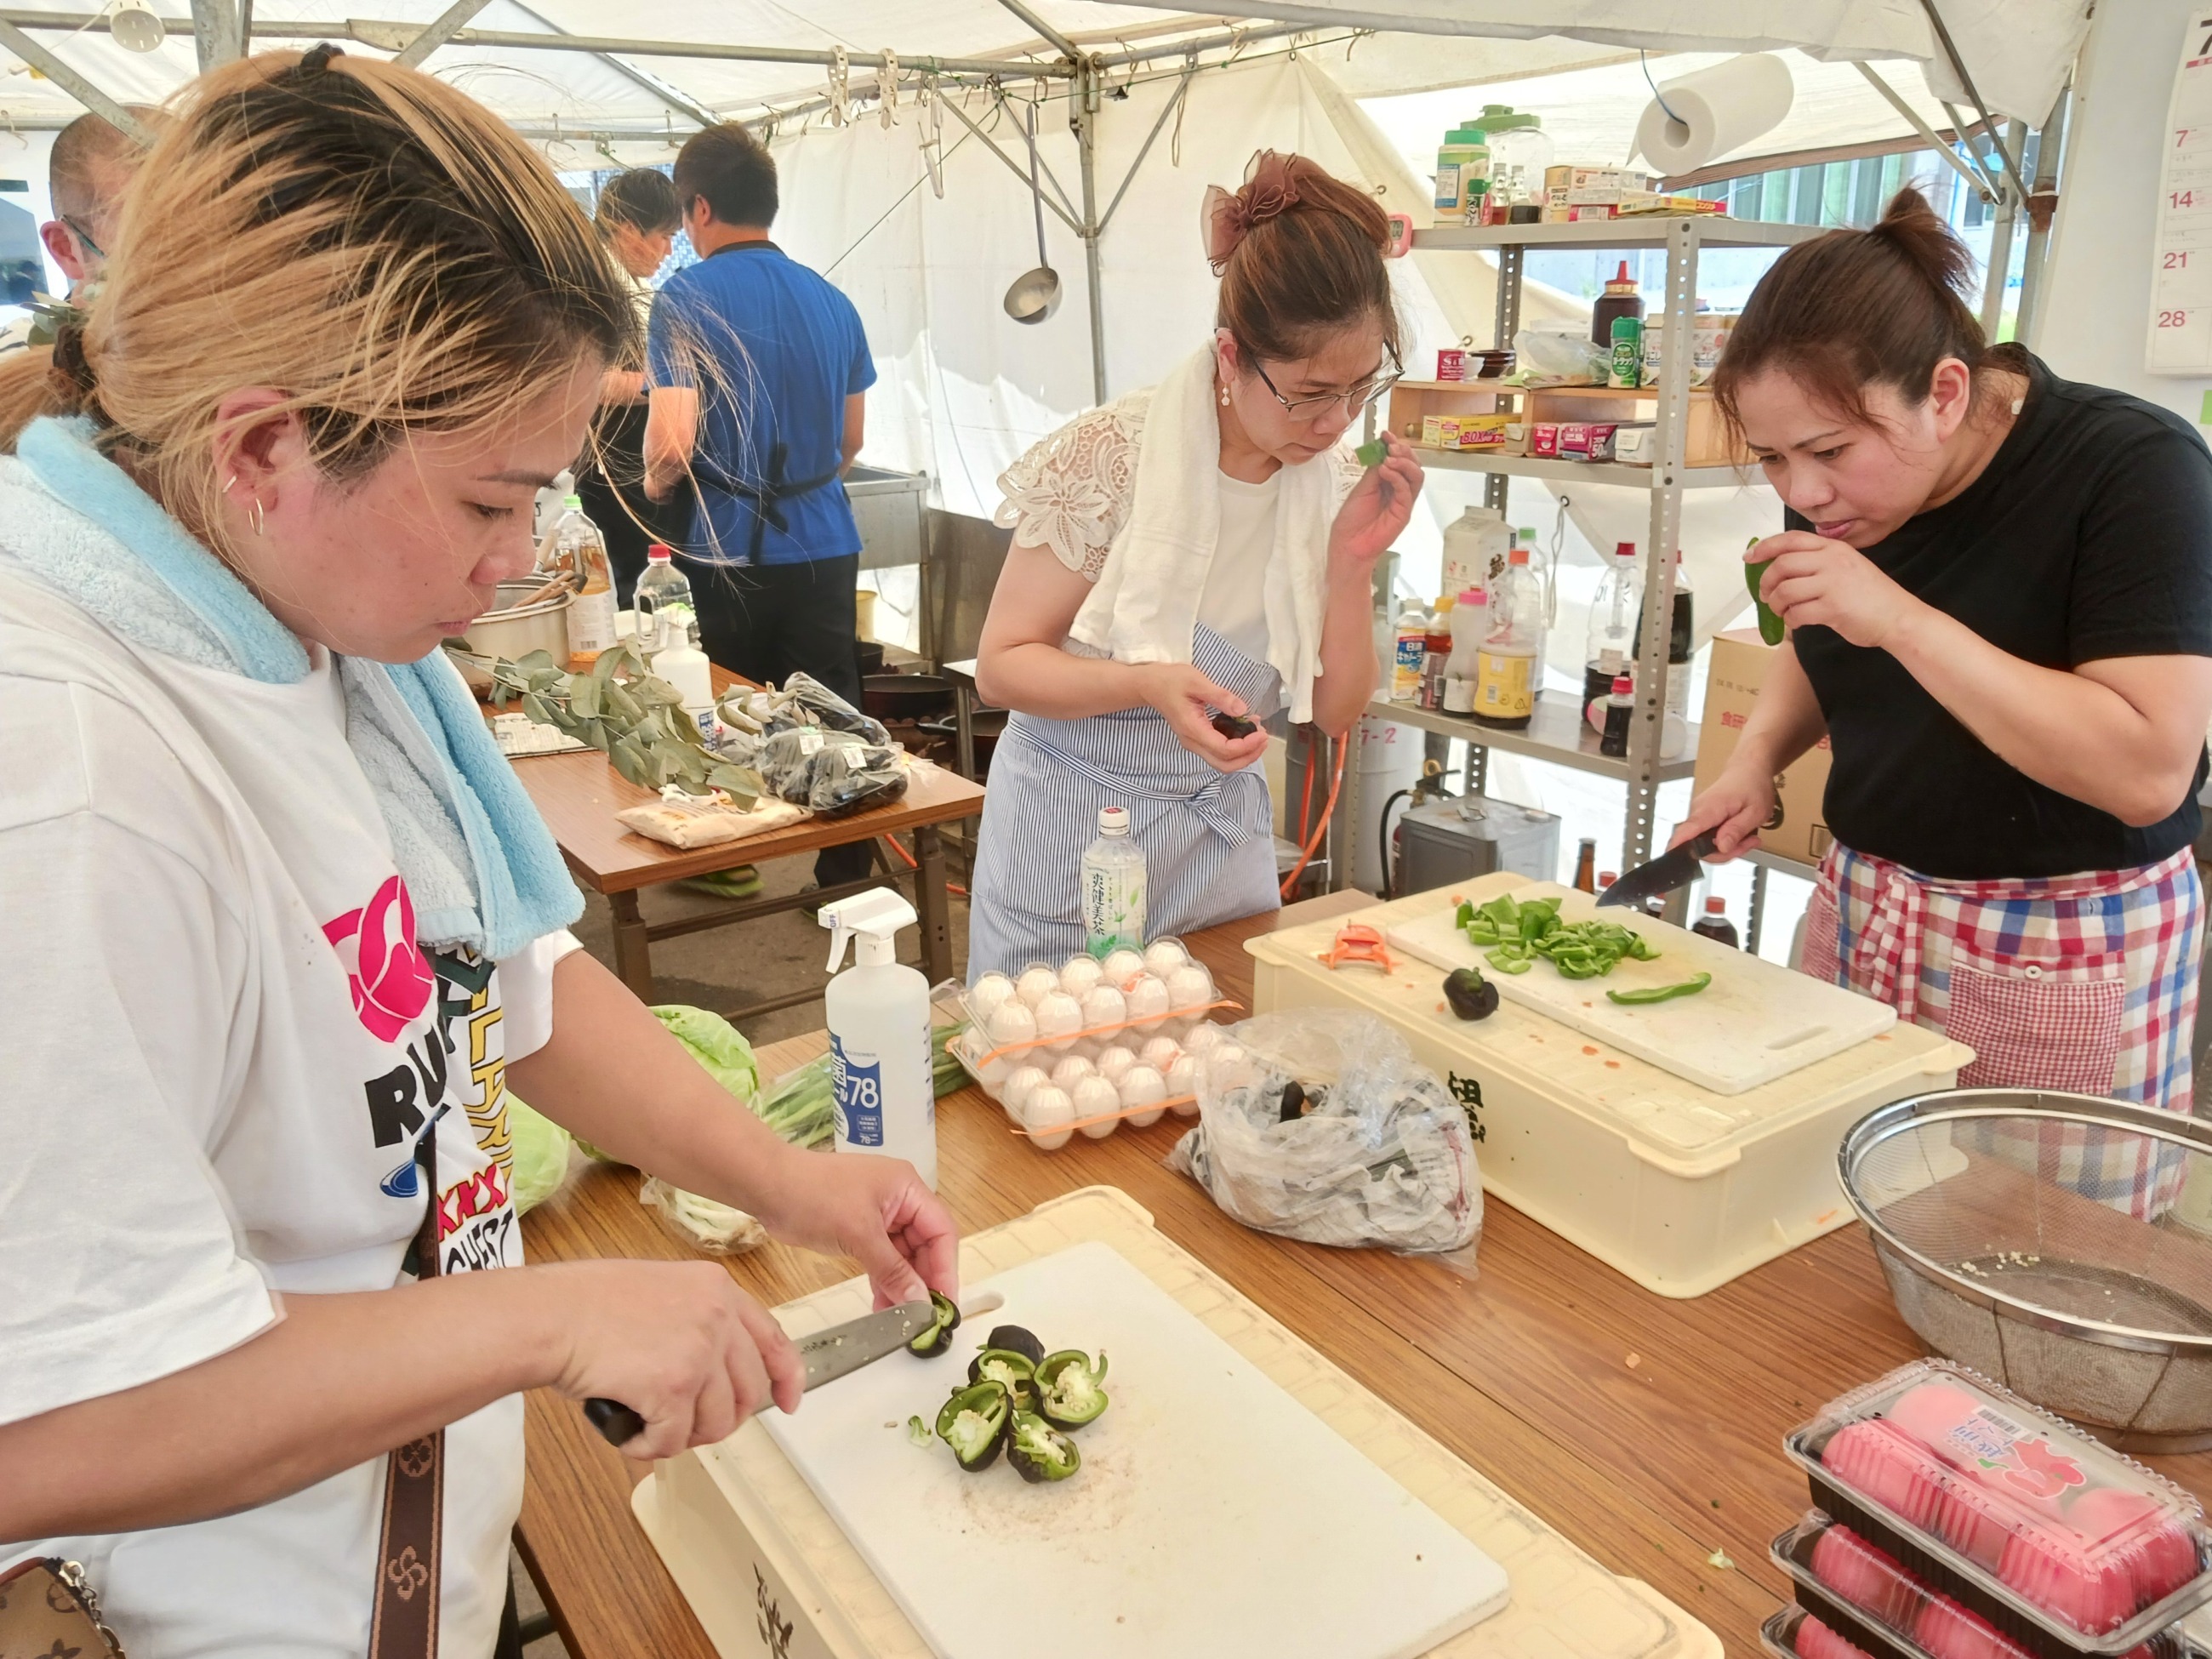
x: 1507, y: 668
x: 1619, y: 299
x: 1715, y: 924
x: 1409, y: 654
x: 1586, y: 866
x: 1619, y: 711
x: 1614, y: 610
x: 1470, y: 620
x: 578, y: 547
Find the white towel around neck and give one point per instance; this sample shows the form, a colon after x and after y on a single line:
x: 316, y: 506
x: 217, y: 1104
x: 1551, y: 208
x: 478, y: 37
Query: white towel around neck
x: 1145, y: 604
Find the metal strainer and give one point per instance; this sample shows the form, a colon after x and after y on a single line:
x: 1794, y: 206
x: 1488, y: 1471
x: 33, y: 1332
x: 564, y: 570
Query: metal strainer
x: 2059, y: 1244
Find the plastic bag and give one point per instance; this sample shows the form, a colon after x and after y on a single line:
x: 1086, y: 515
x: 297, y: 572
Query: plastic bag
x: 1381, y: 1154
x: 753, y: 716
x: 1560, y: 349
x: 832, y: 771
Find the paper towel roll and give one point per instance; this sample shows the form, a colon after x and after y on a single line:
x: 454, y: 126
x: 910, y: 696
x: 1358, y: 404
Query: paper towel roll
x: 1715, y: 111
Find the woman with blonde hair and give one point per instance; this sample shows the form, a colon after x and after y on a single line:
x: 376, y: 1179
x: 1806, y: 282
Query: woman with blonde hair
x: 282, y: 925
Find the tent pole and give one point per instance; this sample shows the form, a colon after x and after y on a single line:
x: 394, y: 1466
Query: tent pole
x: 2012, y: 144
x: 1013, y: 166
x: 109, y: 109
x: 1182, y: 91
x: 216, y: 36
x: 448, y: 23
x: 2041, y: 205
x: 676, y: 100
x: 1084, y: 94
x: 1052, y: 37
x: 1971, y: 175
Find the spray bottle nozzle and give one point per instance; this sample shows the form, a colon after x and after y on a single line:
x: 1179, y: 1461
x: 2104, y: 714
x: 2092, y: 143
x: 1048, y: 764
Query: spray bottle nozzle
x: 875, y: 916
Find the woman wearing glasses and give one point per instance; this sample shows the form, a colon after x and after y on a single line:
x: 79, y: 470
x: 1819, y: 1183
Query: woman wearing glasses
x: 1200, y: 548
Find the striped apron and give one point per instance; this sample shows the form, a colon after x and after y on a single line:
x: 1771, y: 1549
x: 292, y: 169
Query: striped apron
x: 2086, y: 984
x: 1207, y: 837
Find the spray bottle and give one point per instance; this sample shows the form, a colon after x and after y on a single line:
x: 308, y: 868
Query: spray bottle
x: 881, y: 1071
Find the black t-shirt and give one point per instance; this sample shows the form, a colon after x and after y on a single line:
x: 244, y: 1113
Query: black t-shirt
x: 2087, y: 536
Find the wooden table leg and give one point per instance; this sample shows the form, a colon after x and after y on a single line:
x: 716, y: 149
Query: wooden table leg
x: 931, y: 902
x: 633, y: 948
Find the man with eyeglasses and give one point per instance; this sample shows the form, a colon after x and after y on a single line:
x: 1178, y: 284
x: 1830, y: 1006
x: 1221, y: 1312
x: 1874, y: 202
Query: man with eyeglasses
x: 89, y: 168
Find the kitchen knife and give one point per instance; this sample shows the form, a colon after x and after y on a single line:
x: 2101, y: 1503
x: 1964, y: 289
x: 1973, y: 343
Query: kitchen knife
x: 1662, y: 875
x: 828, y: 1354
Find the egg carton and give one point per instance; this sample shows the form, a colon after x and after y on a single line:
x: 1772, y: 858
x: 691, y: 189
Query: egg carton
x: 2063, y: 1546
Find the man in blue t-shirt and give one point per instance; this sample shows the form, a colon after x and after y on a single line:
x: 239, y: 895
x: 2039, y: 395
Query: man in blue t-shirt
x: 758, y: 368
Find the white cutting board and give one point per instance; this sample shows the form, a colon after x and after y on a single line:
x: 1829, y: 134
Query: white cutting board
x: 1755, y: 1023
x: 1213, y: 1514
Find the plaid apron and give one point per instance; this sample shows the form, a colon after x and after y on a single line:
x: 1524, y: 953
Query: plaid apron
x: 2086, y: 984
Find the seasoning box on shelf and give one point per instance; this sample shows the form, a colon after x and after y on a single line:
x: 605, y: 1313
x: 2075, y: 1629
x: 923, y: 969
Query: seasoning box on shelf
x: 1544, y: 438
x: 2024, y: 1520
x: 1451, y: 363
x: 1482, y: 431
x: 1622, y: 441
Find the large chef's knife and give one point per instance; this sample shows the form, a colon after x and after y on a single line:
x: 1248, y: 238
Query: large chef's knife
x: 828, y: 1354
x: 1662, y: 875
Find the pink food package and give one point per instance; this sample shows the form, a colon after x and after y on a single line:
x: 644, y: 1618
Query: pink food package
x: 1814, y: 1640
x: 2068, y: 1526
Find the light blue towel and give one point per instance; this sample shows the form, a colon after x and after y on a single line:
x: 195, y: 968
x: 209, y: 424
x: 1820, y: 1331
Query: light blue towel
x: 484, y: 868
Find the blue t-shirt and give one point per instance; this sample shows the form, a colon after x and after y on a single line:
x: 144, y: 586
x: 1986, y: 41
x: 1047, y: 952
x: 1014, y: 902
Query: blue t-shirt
x: 778, y: 350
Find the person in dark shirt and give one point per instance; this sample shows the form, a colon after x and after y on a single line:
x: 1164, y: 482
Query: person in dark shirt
x: 1998, y: 589
x: 758, y: 368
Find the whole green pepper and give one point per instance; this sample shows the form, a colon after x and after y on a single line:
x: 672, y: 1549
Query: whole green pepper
x: 1471, y: 996
x: 1771, y: 627
x: 1644, y: 994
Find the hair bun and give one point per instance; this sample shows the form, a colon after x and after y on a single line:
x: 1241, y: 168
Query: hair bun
x: 1909, y: 226
x: 317, y: 58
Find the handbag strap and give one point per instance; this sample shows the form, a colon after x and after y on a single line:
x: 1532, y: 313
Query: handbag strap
x: 405, y: 1624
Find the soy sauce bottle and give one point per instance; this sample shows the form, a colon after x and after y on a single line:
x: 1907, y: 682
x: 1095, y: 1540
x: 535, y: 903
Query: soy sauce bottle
x: 1715, y: 924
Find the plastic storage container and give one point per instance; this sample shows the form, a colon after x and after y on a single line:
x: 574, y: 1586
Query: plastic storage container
x: 1679, y: 1186
x: 1081, y: 1048
x: 2061, y: 1544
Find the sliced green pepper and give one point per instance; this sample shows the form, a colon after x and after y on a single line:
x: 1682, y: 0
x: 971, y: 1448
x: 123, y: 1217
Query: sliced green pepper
x: 1510, y: 959
x: 1069, y: 1395
x: 1373, y: 452
x: 973, y: 1423
x: 917, y: 1430
x: 1771, y: 627
x: 939, y: 1336
x: 1649, y: 993
x: 1014, y: 1371
x: 1039, y: 1451
x: 1016, y: 1339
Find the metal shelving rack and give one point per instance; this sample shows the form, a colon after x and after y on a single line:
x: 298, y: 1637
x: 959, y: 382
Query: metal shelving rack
x: 1567, y: 743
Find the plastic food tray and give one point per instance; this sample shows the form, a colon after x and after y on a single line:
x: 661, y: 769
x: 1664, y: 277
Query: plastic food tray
x: 753, y: 1549
x: 1982, y: 1495
x: 1680, y: 1189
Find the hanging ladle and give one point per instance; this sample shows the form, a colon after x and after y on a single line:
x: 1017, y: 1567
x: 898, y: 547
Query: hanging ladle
x: 1036, y: 294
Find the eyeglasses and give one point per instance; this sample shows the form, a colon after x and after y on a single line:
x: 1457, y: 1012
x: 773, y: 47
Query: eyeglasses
x: 83, y: 235
x: 1357, y: 398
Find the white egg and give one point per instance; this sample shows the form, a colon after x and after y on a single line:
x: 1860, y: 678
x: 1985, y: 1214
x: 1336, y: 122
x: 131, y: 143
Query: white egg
x: 1161, y: 1053
x: 1163, y: 956
x: 1121, y: 966
x: 1047, y: 1117
x: 1113, y: 1060
x: 1013, y: 1022
x: 1203, y: 1036
x: 1035, y: 984
x: 1190, y: 987
x: 1079, y: 977
x: 1182, y: 1079
x: 1097, y: 1099
x: 1148, y: 1000
x: 1015, y: 1093
x: 987, y: 995
x: 1071, y: 1072
x: 1104, y: 1006
x: 1143, y: 1089
x: 1059, y: 1017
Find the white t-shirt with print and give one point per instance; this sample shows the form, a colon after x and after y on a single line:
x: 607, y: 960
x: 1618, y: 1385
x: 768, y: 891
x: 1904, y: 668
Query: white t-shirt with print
x: 221, y: 1040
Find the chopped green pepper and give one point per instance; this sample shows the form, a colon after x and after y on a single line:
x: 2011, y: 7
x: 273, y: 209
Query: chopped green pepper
x: 1471, y: 996
x: 1649, y: 993
x: 939, y: 1336
x: 1771, y: 627
x: 1069, y: 1395
x: 917, y: 1430
x: 1373, y: 452
x: 1039, y: 1451
x: 973, y: 1423
x: 1014, y: 1371
x: 1016, y: 1339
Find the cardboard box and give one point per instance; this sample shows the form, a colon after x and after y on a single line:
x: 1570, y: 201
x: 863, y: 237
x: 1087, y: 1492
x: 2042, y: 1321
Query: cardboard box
x: 1800, y: 828
x: 1463, y: 431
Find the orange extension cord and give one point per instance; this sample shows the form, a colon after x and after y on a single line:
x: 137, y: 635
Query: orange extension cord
x: 1327, y: 812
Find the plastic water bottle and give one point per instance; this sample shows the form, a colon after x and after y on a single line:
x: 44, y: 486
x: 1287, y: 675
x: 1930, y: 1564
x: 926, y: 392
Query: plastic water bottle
x: 578, y: 547
x: 662, y: 589
x: 1112, y: 886
x: 882, y: 1074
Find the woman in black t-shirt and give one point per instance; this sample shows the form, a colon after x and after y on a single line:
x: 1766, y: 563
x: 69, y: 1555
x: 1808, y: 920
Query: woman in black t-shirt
x: 1998, y: 587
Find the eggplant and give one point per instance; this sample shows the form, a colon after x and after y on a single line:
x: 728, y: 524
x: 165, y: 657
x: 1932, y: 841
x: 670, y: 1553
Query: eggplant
x: 1069, y: 1395
x: 1014, y: 1371
x: 938, y: 1337
x: 1471, y: 996
x: 1039, y: 1452
x: 973, y: 1423
x: 1231, y: 727
x: 1016, y: 1339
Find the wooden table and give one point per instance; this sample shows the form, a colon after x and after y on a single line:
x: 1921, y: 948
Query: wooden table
x: 1648, y: 1431
x: 579, y: 793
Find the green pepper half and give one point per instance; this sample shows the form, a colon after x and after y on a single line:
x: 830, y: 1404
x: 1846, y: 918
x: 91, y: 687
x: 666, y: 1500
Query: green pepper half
x: 1014, y: 1372
x: 939, y: 1336
x: 973, y: 1423
x: 1040, y: 1452
x: 1069, y: 1395
x: 1771, y: 627
x: 1649, y: 993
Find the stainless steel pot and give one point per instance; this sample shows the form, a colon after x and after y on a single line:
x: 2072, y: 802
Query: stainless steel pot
x: 515, y: 630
